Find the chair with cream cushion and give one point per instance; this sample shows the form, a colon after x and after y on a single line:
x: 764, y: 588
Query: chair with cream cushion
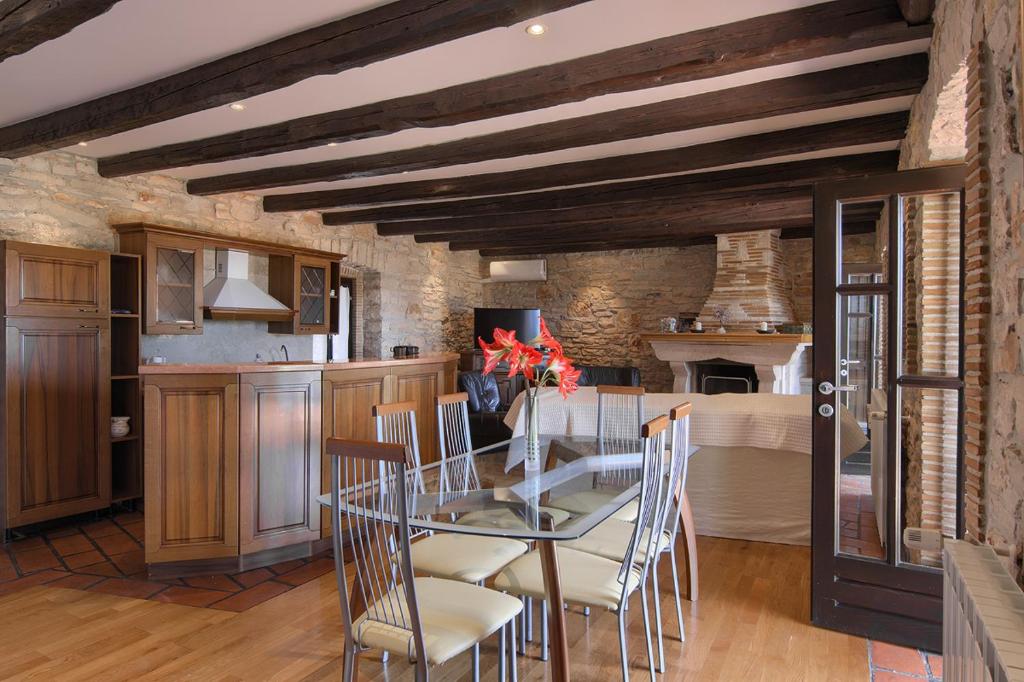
x: 428, y: 620
x: 620, y: 415
x: 467, y: 558
x: 593, y: 581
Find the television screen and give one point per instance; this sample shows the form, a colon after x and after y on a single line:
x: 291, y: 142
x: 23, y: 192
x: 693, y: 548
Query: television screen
x: 525, y: 321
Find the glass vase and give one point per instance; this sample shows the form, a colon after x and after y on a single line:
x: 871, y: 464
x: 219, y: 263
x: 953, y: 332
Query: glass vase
x: 532, y: 404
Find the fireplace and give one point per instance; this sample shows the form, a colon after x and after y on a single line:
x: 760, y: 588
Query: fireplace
x: 724, y: 376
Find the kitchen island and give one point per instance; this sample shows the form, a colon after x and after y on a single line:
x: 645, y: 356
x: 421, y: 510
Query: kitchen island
x: 234, y: 456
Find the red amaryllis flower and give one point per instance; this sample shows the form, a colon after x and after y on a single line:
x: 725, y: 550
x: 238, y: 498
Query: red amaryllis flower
x: 523, y: 359
x: 546, y: 339
x: 568, y: 376
x: 504, y: 342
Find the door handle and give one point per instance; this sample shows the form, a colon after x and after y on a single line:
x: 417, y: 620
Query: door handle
x: 844, y: 362
x: 88, y: 310
x: 826, y: 388
x: 88, y: 326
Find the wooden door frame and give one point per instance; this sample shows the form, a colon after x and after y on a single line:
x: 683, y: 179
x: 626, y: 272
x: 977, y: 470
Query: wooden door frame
x: 897, y: 603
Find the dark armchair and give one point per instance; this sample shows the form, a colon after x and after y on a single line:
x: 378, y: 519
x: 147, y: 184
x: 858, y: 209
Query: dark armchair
x: 594, y: 375
x: 486, y: 413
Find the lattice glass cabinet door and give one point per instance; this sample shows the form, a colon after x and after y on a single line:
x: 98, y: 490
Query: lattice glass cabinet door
x: 312, y: 286
x: 174, y: 272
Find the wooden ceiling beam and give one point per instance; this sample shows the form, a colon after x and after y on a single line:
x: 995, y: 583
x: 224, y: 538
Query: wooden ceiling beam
x: 380, y: 33
x: 867, y: 130
x: 788, y: 174
x: 783, y: 199
x: 660, y: 243
x: 24, y: 24
x: 768, y: 40
x: 889, y: 78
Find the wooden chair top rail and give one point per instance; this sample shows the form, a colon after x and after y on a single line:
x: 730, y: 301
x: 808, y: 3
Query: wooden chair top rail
x: 366, y: 449
x: 385, y: 409
x: 452, y: 398
x: 654, y: 427
x: 621, y: 390
x: 680, y: 411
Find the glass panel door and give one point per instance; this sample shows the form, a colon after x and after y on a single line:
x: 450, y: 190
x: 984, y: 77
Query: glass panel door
x: 887, y: 401
x: 312, y: 295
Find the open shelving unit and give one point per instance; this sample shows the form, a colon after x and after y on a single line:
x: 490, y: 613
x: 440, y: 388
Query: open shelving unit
x: 125, y: 387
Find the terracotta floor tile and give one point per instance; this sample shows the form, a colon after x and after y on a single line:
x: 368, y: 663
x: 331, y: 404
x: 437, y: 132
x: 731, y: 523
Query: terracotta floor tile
x: 77, y: 581
x: 253, y: 577
x: 935, y: 663
x: 40, y: 578
x: 246, y: 599
x: 286, y: 566
x: 130, y: 562
x: 76, y: 561
x: 104, y: 568
x: 897, y: 658
x: 62, y: 532
x: 137, y: 529
x: 98, y: 529
x: 36, y: 560
x: 125, y: 587
x: 72, y: 544
x: 7, y: 569
x: 118, y: 543
x: 189, y: 596
x: 27, y: 544
x: 128, y: 517
x: 213, y: 582
x: 303, y: 574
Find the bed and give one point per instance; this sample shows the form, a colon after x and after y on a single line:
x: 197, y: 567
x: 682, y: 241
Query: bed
x: 750, y: 472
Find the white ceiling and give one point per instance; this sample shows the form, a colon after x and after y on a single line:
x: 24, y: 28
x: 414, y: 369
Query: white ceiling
x: 141, y: 40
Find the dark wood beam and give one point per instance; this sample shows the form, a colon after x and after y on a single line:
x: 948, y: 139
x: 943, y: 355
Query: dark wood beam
x: 767, y: 40
x: 868, y: 130
x: 884, y: 79
x: 785, y: 200
x: 682, y: 227
x: 916, y: 11
x: 25, y: 24
x: 661, y: 243
x: 849, y: 228
x: 789, y: 174
x: 380, y: 33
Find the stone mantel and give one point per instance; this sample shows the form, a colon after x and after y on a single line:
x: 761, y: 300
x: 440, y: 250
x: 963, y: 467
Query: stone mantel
x: 778, y: 359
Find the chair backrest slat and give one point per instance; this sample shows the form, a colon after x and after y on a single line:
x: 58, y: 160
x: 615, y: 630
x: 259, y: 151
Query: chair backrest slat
x: 368, y: 508
x: 396, y: 423
x: 650, y: 501
x: 458, y: 470
x: 679, y: 419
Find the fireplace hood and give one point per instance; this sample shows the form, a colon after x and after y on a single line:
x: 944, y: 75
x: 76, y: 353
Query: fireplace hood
x: 231, y: 296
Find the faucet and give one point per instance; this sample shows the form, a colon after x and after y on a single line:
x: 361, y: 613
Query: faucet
x: 285, y: 349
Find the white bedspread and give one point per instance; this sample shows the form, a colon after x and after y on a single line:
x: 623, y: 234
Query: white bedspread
x: 754, y: 420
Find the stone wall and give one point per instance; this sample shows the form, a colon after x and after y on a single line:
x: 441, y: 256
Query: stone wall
x: 799, y: 268
x: 413, y: 294
x: 598, y: 304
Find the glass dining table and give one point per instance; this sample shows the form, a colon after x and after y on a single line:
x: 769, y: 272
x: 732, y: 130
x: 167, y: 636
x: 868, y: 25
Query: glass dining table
x: 576, y: 483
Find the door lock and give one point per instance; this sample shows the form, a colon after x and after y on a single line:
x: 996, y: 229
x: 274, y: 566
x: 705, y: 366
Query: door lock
x: 826, y: 410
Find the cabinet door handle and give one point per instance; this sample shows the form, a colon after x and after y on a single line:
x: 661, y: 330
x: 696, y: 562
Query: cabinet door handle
x: 186, y: 326
x: 88, y: 326
x: 88, y: 310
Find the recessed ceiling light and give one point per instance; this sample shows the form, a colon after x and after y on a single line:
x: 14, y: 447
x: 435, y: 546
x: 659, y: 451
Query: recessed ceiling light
x: 83, y: 144
x: 536, y: 30
x: 237, y: 106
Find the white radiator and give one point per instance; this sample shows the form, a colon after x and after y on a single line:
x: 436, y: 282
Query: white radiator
x: 983, y: 617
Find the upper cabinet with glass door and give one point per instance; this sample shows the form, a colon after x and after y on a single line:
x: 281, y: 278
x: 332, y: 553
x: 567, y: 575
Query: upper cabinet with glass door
x: 304, y: 283
x: 174, y: 285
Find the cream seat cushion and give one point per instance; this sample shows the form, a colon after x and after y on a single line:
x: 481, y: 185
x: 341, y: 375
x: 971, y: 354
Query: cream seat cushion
x: 469, y: 558
x: 454, y: 616
x: 587, y: 501
x: 609, y: 539
x: 507, y: 518
x: 586, y: 579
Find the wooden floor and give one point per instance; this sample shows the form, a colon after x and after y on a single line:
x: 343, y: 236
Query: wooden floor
x: 750, y: 624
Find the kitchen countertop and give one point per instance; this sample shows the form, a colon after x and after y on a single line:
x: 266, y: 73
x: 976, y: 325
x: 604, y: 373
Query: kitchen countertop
x: 293, y: 366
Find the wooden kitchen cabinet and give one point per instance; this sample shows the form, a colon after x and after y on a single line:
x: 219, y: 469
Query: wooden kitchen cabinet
x: 422, y: 384
x: 279, y: 459
x: 56, y: 418
x: 55, y: 281
x: 304, y: 283
x: 173, y: 285
x: 191, y: 467
x: 348, y: 399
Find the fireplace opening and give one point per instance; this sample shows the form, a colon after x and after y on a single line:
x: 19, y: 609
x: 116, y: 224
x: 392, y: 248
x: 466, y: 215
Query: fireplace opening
x: 724, y: 376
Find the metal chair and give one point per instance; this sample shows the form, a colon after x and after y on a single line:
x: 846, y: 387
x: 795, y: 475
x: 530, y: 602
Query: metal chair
x: 600, y: 582
x: 467, y: 558
x: 429, y: 620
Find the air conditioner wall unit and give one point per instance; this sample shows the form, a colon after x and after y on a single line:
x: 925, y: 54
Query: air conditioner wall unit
x: 519, y: 271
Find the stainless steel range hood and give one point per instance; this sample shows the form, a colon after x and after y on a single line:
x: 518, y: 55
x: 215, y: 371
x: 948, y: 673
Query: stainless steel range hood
x: 231, y: 296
